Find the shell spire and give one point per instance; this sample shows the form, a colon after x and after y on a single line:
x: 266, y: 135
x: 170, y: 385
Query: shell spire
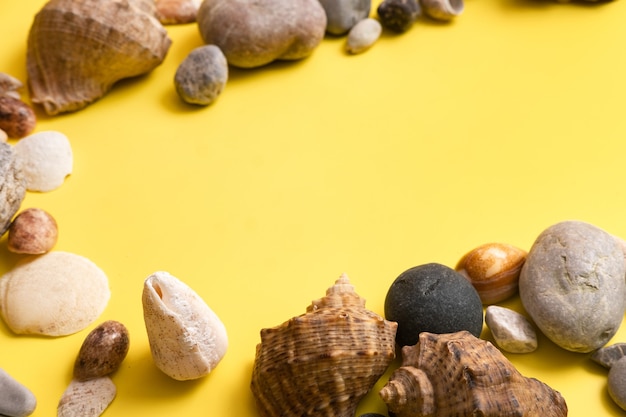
x: 323, y: 362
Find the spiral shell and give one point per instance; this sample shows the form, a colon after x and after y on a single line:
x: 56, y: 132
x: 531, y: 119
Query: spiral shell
x: 77, y: 50
x: 323, y: 362
x: 458, y: 374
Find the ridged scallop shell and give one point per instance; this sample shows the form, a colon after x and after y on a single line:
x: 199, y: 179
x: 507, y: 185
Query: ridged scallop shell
x: 323, y: 362
x: 457, y: 374
x: 77, y: 49
x: 187, y: 339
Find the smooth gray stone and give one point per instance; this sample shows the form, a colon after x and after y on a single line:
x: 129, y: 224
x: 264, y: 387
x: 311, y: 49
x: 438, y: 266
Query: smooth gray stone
x: 342, y: 15
x: 15, y: 399
x: 608, y: 355
x: 617, y: 383
x: 202, y: 75
x: 572, y: 285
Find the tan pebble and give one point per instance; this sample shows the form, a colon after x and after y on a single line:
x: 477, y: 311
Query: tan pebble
x: 54, y: 294
x: 33, y: 231
x: 493, y: 269
x: 3, y: 136
x: 363, y: 35
x: 102, y: 351
x: 511, y: 330
x: 187, y: 339
x: 47, y: 160
x: 173, y: 12
x: 17, y: 118
x: 86, y: 398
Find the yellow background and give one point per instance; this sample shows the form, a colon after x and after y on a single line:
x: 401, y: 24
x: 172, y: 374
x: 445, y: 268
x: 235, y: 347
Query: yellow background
x: 431, y: 143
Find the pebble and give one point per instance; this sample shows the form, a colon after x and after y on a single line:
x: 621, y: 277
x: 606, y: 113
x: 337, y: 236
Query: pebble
x: 433, y: 298
x: 617, y: 383
x: 17, y: 118
x: 511, y: 331
x: 102, y: 351
x: 493, y: 269
x: 33, y: 231
x: 363, y: 35
x: 202, y: 75
x: 608, y: 355
x: 12, y: 185
x: 572, y: 285
x: 342, y: 15
x: 399, y: 15
x: 15, y: 399
x: 47, y: 160
x: 54, y: 294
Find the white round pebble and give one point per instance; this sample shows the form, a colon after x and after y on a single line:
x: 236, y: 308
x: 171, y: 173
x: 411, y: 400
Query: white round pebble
x: 617, y: 383
x: 363, y: 35
x: 46, y: 158
x: 511, y: 331
x: 15, y: 399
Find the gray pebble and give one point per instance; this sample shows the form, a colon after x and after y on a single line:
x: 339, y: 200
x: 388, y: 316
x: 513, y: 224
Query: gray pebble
x: 511, y: 331
x: 608, y: 355
x: 432, y: 298
x: 572, y: 285
x: 363, y: 35
x: 617, y: 383
x: 15, y: 399
x: 342, y: 15
x: 12, y: 185
x: 202, y: 75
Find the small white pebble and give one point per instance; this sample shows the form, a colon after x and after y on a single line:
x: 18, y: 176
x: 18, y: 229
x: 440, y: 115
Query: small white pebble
x: 363, y: 35
x: 511, y: 331
x: 46, y: 158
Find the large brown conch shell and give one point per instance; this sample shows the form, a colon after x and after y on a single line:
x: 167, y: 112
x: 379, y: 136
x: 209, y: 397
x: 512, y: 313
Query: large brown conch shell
x: 77, y: 49
x: 322, y: 363
x: 457, y: 374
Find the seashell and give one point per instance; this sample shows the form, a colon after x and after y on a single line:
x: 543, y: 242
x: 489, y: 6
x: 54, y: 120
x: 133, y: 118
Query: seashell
x: 187, y: 339
x: 86, y: 398
x: 77, y: 50
x: 458, y: 374
x: 322, y: 362
x: 443, y: 9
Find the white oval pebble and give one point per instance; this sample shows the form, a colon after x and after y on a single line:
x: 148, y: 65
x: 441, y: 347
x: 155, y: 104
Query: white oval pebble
x: 46, y: 158
x: 363, y: 35
x: 54, y: 294
x: 511, y: 331
x: 15, y: 399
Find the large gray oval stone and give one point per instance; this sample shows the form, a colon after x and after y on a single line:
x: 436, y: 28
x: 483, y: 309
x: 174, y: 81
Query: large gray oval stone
x: 572, y: 285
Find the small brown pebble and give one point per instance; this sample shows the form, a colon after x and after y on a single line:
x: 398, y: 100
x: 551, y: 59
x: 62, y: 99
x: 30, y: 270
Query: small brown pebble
x: 17, y: 118
x: 33, y: 231
x: 102, y: 352
x: 493, y: 269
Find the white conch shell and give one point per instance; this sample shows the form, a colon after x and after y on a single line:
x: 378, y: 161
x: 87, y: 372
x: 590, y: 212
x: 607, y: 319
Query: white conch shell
x: 187, y: 339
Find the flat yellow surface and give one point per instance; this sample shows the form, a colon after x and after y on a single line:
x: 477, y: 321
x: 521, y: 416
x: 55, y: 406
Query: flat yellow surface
x: 490, y: 128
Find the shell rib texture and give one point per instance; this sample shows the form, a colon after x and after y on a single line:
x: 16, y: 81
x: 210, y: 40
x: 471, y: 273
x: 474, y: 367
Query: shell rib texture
x: 323, y: 362
x: 457, y: 374
x: 77, y: 49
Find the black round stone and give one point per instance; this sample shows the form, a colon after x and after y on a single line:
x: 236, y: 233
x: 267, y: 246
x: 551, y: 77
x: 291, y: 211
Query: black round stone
x: 432, y: 298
